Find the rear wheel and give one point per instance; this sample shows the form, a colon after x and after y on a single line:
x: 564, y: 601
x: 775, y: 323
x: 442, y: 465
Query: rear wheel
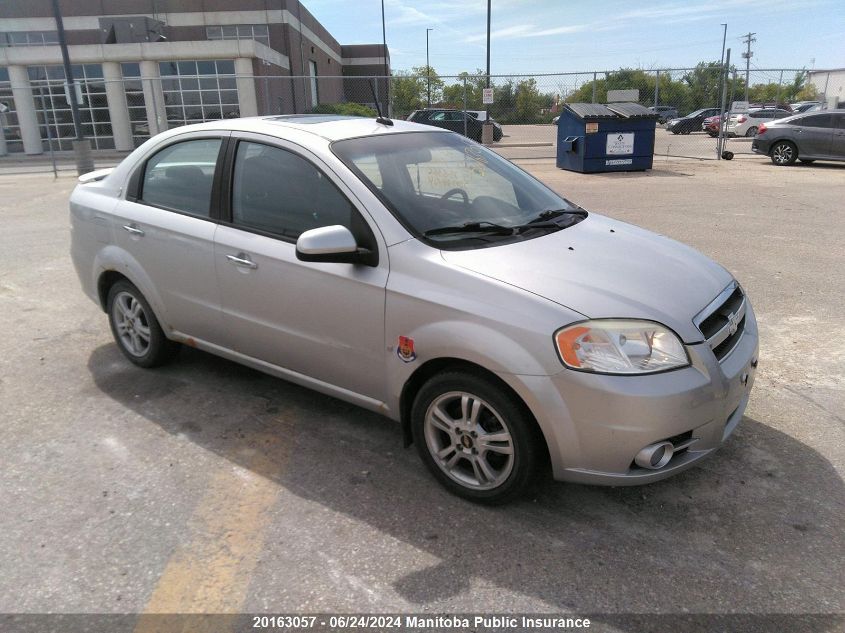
x: 135, y: 328
x: 784, y: 153
x: 752, y: 131
x: 474, y: 438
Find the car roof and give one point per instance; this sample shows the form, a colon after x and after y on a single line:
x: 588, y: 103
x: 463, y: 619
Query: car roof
x: 801, y: 115
x: 327, y: 126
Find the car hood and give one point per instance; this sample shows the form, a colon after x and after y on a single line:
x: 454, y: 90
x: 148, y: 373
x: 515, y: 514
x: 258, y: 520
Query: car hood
x: 604, y: 268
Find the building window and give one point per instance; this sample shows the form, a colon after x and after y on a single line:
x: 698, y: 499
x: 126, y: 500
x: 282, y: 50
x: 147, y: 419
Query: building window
x: 10, y: 130
x: 135, y: 101
x: 197, y: 91
x: 257, y: 32
x: 29, y: 38
x: 53, y: 110
x: 312, y: 73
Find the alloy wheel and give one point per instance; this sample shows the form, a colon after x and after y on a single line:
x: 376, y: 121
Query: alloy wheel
x: 131, y: 324
x: 469, y: 441
x: 782, y: 153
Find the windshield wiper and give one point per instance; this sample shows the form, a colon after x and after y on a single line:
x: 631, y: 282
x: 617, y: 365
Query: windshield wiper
x: 491, y: 228
x: 549, y: 214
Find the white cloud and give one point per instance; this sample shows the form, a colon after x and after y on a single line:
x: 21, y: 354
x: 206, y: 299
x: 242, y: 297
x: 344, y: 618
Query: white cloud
x: 519, y: 30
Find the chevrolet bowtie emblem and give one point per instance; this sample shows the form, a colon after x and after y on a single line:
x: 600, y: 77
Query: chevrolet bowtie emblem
x: 733, y: 320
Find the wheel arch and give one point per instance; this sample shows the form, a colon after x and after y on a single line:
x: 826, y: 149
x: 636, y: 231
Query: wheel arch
x: 434, y: 366
x: 784, y: 139
x: 105, y: 281
x: 112, y: 265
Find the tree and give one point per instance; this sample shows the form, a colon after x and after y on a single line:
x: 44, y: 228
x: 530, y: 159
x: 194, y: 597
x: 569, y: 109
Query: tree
x: 529, y: 101
x: 410, y: 90
x: 703, y: 86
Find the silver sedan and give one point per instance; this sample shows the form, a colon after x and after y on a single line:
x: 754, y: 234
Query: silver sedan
x: 413, y: 272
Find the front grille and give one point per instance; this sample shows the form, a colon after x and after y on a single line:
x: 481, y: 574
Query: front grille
x: 723, y: 321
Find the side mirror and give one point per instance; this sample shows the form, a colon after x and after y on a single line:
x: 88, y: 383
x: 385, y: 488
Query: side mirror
x: 334, y: 244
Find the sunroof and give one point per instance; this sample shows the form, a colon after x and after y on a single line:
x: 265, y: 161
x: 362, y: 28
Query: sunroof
x: 311, y: 118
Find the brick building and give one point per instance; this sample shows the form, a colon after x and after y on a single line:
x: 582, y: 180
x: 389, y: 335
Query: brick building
x: 144, y: 66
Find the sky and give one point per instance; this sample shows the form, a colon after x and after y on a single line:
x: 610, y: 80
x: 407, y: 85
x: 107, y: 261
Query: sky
x: 550, y: 36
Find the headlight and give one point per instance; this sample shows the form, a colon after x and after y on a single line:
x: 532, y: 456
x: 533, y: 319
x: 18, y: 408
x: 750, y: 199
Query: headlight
x: 615, y: 346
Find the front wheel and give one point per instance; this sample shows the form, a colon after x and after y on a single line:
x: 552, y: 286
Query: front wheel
x: 474, y: 438
x: 135, y: 328
x: 784, y: 153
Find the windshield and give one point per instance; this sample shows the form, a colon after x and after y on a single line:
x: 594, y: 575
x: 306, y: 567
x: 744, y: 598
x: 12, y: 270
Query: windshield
x: 453, y: 192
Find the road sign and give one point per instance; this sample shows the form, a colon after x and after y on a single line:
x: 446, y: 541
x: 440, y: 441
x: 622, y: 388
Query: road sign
x: 486, y: 96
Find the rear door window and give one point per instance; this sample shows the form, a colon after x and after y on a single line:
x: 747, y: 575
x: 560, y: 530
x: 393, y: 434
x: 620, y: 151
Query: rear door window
x: 180, y: 177
x: 816, y: 120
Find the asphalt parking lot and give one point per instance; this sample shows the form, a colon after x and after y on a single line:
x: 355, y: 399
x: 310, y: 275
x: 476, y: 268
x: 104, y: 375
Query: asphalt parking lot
x: 208, y: 487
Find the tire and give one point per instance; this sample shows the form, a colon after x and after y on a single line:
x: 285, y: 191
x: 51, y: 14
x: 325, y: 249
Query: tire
x: 712, y: 134
x: 441, y: 420
x: 751, y: 132
x: 675, y: 132
x: 784, y: 153
x: 135, y: 327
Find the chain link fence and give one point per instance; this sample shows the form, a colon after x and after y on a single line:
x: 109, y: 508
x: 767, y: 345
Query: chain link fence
x: 124, y: 113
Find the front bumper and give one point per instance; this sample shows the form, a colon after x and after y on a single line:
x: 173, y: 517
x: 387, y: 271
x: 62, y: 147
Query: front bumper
x: 595, y: 425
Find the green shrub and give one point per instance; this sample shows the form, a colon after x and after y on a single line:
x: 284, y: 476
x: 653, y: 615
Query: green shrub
x: 345, y: 109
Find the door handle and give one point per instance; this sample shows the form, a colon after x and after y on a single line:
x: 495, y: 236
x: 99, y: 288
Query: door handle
x: 133, y: 229
x: 242, y: 259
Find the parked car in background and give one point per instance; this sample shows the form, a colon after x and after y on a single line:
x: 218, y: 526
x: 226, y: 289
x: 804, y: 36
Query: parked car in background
x: 817, y: 107
x: 806, y: 137
x: 803, y: 106
x: 691, y: 122
x: 453, y: 120
x: 779, y: 105
x: 665, y: 113
x: 410, y: 271
x: 711, y: 124
x: 747, y: 123
x: 481, y: 115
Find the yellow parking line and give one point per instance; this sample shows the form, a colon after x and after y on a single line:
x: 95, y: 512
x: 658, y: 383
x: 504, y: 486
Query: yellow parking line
x: 210, y: 573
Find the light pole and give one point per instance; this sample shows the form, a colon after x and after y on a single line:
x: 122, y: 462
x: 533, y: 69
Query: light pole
x: 427, y: 70
x: 81, y: 146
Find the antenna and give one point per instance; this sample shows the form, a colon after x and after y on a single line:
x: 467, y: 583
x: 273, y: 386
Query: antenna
x: 380, y: 118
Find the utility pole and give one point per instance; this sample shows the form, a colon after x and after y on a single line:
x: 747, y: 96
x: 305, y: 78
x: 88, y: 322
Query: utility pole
x: 488, y: 43
x: 427, y: 70
x: 748, y: 39
x: 81, y: 146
